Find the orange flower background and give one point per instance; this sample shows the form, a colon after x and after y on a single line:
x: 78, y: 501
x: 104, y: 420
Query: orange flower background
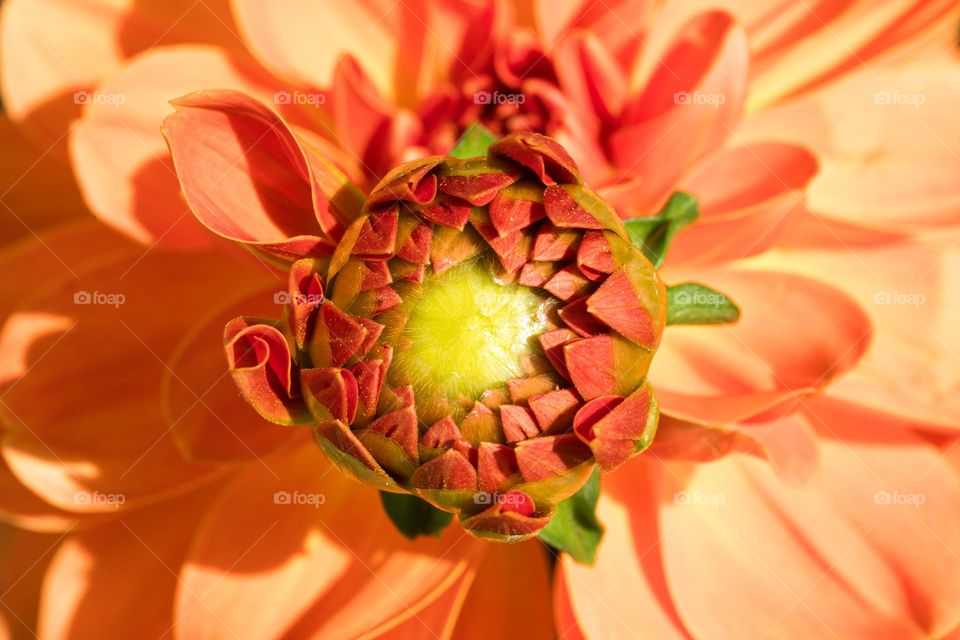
x: 803, y: 481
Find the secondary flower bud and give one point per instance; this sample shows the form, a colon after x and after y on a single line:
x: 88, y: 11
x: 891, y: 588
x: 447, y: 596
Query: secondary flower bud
x: 480, y: 337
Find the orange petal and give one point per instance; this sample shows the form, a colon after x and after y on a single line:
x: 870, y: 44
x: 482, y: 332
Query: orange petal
x: 120, y: 578
x: 121, y: 160
x: 786, y: 442
x: 498, y: 606
x: 247, y: 177
x: 110, y: 333
x: 291, y: 553
x: 625, y: 589
x: 24, y: 509
x: 38, y: 188
x: 615, y: 23
x: 25, y: 557
x: 688, y: 107
x: 747, y: 196
x: 207, y: 421
x: 795, y: 335
x: 53, y: 49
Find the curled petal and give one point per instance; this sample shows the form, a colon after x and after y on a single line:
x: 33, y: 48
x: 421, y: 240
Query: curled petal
x: 247, y: 177
x: 503, y: 524
x: 547, y: 159
x: 259, y: 361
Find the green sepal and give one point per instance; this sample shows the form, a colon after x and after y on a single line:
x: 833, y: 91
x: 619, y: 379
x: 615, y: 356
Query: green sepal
x: 473, y: 143
x: 653, y: 235
x: 692, y: 303
x: 414, y: 517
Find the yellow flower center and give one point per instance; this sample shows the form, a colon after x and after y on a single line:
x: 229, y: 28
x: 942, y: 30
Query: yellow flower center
x: 467, y: 333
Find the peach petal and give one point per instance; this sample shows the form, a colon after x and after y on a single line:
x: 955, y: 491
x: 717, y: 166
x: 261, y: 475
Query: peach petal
x: 122, y: 163
x: 913, y: 339
x: 778, y: 350
x: 748, y: 196
x: 794, y: 55
x: 26, y: 557
x: 630, y: 558
x: 55, y: 52
x: 842, y: 535
x: 867, y: 128
x: 284, y: 37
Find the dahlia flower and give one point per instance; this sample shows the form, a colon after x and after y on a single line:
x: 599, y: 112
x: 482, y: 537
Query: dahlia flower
x: 797, y: 449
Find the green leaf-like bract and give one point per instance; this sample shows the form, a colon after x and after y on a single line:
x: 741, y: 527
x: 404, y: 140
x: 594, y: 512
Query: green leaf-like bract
x: 473, y: 143
x: 575, y: 528
x: 692, y: 303
x: 654, y: 234
x: 414, y: 517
